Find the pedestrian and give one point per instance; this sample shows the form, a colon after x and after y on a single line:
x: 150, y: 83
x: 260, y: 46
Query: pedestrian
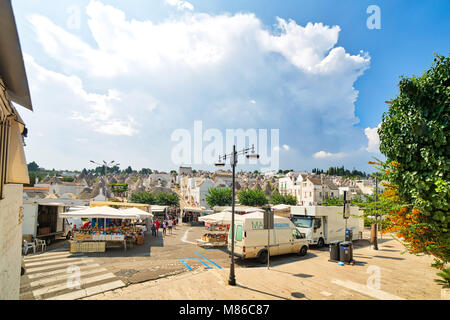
x: 154, y: 229
x: 169, y: 225
x: 164, y: 227
x: 157, y: 225
x: 174, y: 223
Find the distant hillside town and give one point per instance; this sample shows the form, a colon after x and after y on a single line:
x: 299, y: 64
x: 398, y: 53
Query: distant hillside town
x: 192, y: 186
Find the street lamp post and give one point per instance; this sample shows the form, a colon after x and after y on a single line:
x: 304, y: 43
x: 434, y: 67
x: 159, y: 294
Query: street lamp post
x: 233, y: 161
x: 105, y: 165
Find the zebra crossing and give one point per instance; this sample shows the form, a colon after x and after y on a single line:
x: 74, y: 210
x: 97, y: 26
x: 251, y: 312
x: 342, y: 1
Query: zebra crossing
x: 60, y: 275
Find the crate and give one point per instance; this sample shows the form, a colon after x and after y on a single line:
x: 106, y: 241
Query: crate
x: 79, y: 236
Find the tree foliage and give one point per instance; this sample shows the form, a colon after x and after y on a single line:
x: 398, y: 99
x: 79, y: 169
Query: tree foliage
x: 252, y: 198
x: 159, y: 198
x: 414, y: 138
x: 219, y: 196
x: 277, y: 198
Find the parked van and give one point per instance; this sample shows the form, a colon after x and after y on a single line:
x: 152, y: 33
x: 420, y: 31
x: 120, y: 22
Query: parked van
x: 251, y: 239
x: 324, y: 224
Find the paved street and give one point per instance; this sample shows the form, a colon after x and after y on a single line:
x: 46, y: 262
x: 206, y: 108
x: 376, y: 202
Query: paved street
x: 50, y: 276
x: 401, y: 276
x: 174, y: 267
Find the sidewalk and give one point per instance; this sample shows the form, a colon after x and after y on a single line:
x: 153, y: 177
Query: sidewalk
x: 311, y: 277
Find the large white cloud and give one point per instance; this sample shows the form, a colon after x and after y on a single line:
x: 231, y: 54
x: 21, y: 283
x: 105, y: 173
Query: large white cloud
x: 373, y: 139
x: 231, y: 71
x: 180, y: 4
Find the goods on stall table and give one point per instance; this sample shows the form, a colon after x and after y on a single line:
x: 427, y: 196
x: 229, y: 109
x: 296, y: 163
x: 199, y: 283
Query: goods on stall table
x: 214, y: 237
x: 87, y: 247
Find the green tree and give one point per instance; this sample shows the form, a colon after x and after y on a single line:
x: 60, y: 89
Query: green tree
x: 414, y: 137
x: 128, y: 170
x: 146, y: 171
x: 143, y: 197
x: 277, y: 198
x: 32, y: 166
x: 252, y: 198
x: 167, y: 199
x: 219, y: 196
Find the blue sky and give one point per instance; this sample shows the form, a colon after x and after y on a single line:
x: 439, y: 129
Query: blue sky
x: 115, y: 81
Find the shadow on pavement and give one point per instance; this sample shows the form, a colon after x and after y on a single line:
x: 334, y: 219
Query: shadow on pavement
x: 259, y: 291
x: 393, y: 258
x: 133, y: 250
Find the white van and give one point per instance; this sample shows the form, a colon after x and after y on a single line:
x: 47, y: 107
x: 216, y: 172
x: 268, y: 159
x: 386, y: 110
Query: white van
x: 324, y: 224
x: 251, y: 239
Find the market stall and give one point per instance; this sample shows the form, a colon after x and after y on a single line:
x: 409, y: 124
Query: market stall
x: 217, y: 225
x: 106, y: 225
x: 191, y: 215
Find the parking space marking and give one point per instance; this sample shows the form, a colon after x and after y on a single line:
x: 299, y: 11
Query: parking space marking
x: 187, y: 266
x: 197, y: 253
x: 190, y: 269
x: 374, y: 293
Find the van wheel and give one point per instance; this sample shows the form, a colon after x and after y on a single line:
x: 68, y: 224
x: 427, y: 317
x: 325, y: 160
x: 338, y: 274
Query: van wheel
x: 262, y: 256
x: 320, y: 243
x: 303, y: 251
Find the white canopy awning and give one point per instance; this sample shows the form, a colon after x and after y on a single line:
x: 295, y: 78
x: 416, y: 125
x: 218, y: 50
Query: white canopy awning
x: 100, y: 212
x: 141, y: 213
x: 280, y: 207
x: 245, y: 210
x: 223, y: 217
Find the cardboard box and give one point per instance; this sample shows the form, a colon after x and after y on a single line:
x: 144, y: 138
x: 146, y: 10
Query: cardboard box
x: 27, y: 237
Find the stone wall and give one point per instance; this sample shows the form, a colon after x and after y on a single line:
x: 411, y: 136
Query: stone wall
x: 10, y: 242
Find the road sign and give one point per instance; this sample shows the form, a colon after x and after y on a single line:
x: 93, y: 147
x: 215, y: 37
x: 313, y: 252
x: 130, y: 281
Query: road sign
x: 268, y: 219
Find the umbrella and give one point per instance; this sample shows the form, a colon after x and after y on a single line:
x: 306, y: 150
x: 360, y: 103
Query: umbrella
x: 141, y: 213
x: 223, y: 217
x: 99, y: 212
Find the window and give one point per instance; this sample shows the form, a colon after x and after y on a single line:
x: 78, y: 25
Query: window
x: 238, y: 233
x: 297, y: 234
x: 302, y: 222
x: 317, y: 223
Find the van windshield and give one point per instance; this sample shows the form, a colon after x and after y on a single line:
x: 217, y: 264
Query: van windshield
x: 302, y: 222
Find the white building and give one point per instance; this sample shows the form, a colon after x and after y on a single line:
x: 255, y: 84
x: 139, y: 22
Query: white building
x: 13, y: 167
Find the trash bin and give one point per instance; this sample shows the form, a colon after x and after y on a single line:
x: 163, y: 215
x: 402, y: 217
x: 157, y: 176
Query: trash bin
x: 334, y: 250
x: 346, y: 251
x: 348, y: 235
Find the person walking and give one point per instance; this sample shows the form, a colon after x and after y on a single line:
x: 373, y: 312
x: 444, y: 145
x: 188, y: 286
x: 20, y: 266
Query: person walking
x: 169, y: 225
x: 153, y: 229
x: 157, y: 225
x: 164, y: 227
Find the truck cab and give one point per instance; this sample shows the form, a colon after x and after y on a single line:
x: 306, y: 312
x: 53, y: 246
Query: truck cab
x: 312, y: 227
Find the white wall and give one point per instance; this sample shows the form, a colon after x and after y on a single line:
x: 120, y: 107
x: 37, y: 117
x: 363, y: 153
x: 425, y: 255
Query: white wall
x: 10, y: 242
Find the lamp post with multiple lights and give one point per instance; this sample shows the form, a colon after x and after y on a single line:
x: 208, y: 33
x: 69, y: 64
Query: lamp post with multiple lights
x: 105, y: 165
x: 233, y: 161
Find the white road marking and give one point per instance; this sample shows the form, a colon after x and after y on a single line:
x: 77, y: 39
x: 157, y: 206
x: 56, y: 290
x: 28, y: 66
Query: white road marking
x: 325, y: 293
x: 60, y: 287
x: 47, y: 255
x: 184, y: 238
x: 64, y: 276
x: 89, y: 291
x: 374, y: 293
x: 60, y: 265
x: 44, y: 262
x: 51, y: 273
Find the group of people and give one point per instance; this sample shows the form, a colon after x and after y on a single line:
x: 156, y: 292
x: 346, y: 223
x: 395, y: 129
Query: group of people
x: 168, y: 223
